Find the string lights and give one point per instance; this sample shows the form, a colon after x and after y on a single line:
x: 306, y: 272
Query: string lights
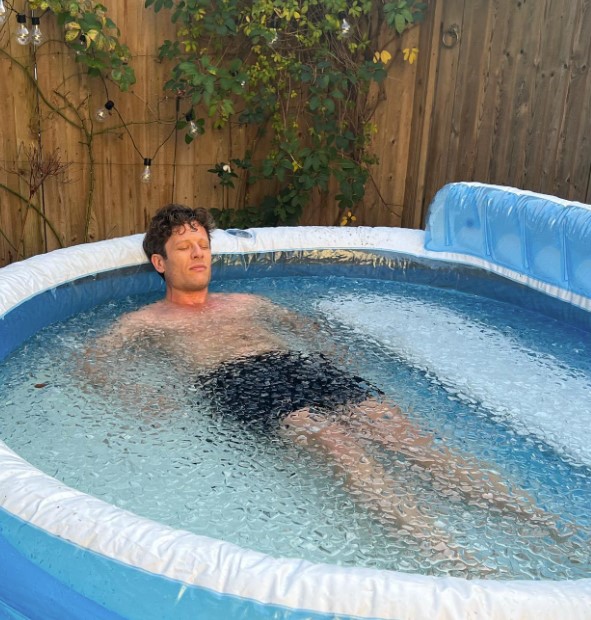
x: 146, y: 175
x: 103, y: 113
x: 109, y: 109
x: 22, y: 33
x: 345, y: 27
x: 36, y: 34
x: 193, y: 127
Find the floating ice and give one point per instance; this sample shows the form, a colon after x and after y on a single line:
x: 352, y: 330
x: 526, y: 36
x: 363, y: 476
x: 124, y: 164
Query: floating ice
x: 532, y: 390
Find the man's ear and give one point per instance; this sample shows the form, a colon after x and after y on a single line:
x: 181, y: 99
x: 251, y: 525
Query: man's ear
x: 158, y: 262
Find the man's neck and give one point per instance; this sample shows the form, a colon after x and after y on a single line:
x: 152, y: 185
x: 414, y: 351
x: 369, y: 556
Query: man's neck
x: 186, y: 298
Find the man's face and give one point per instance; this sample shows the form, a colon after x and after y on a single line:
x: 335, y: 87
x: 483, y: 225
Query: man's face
x: 187, y: 266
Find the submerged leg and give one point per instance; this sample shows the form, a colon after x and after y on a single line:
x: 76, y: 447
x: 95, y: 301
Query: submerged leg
x: 391, y: 428
x: 367, y: 480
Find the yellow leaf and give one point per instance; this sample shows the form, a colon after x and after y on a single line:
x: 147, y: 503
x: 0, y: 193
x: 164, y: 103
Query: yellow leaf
x: 72, y: 26
x: 410, y: 54
x: 92, y: 34
x: 384, y: 56
x: 72, y: 35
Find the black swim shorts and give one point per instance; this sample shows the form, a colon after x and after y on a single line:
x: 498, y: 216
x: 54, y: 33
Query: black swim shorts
x: 261, y: 389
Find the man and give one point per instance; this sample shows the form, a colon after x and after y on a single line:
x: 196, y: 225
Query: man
x: 251, y: 374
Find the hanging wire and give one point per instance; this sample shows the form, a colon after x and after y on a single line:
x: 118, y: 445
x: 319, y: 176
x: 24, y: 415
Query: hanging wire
x: 126, y: 128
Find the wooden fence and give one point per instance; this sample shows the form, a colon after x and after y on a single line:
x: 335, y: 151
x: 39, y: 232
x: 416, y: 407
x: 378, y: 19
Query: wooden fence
x: 504, y: 97
x: 501, y: 93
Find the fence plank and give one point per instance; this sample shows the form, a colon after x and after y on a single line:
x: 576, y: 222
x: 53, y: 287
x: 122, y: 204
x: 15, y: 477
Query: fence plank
x: 443, y: 105
x: 63, y: 96
x: 422, y: 118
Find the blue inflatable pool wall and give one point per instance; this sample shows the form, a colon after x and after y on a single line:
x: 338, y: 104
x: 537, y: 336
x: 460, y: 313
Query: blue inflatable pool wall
x: 539, y: 236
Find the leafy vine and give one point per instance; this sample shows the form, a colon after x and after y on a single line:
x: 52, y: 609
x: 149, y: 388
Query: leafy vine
x: 300, y: 71
x: 299, y: 74
x: 93, y: 36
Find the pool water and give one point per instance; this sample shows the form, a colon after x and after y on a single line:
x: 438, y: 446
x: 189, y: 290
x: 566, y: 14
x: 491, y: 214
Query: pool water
x: 482, y: 378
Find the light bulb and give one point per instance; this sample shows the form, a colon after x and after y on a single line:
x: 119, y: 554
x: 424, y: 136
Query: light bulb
x: 36, y: 34
x: 193, y: 128
x: 345, y: 27
x: 102, y: 114
x: 146, y: 175
x: 22, y: 34
x: 3, y: 12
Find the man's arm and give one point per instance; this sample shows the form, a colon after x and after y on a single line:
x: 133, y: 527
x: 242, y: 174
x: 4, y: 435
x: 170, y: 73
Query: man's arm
x: 127, y: 365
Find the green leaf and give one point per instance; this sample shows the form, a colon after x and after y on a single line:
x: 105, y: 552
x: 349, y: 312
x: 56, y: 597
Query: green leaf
x: 209, y: 85
x: 188, y: 67
x: 399, y: 23
x: 90, y: 22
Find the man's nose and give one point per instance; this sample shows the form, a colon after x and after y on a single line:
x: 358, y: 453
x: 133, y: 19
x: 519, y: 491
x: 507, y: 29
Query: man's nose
x: 197, y: 250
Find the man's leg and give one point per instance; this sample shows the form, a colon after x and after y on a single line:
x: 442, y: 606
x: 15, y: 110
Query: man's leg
x: 367, y: 480
x: 375, y: 421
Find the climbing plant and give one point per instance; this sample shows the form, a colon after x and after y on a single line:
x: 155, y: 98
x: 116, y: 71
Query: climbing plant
x: 301, y: 75
x: 93, y: 36
x: 300, y: 72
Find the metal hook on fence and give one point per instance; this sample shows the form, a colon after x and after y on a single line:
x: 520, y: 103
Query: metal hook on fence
x: 451, y: 37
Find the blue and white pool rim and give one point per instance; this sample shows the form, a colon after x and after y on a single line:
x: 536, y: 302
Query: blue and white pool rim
x: 65, y: 554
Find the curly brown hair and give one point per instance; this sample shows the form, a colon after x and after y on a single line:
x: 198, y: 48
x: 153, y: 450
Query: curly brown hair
x: 167, y: 220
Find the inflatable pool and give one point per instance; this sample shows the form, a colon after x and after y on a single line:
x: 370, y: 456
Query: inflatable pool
x: 64, y: 554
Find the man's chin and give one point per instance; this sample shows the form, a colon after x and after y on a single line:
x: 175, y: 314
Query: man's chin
x: 193, y: 286
x: 197, y: 288
x: 200, y: 286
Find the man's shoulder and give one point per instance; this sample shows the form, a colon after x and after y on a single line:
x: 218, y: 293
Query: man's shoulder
x: 147, y: 312
x: 148, y: 315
